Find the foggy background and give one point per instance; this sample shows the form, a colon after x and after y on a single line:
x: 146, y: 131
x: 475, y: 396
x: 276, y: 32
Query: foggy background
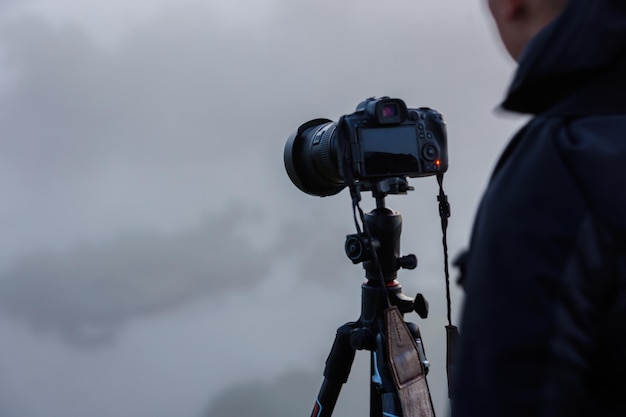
x: 155, y: 259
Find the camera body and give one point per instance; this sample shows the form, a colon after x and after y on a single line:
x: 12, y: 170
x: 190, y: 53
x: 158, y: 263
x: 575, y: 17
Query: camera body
x: 381, y: 139
x: 388, y: 140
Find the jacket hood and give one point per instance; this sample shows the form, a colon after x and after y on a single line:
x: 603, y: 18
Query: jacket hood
x: 586, y: 42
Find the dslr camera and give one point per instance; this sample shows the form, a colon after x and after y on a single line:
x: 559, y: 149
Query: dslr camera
x: 382, y: 139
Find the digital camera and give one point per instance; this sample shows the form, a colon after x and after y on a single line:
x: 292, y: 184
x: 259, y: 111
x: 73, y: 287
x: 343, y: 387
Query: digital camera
x: 381, y: 139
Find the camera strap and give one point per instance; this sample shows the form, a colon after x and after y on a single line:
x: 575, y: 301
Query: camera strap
x: 409, y: 375
x: 452, y: 332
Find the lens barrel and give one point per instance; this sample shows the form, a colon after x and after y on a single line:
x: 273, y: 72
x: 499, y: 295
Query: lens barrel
x: 311, y: 158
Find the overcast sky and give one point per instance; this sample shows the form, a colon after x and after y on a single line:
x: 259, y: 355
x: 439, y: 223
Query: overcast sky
x: 155, y: 259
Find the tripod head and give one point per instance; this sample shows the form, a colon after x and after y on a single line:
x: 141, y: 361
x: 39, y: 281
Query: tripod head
x: 378, y: 248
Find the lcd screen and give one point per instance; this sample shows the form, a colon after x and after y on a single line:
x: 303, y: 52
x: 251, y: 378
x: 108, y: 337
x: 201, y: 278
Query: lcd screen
x: 390, y: 151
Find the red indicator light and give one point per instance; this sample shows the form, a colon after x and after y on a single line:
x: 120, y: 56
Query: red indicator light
x: 438, y: 162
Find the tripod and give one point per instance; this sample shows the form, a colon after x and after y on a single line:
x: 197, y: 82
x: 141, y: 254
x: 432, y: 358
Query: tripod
x: 368, y: 332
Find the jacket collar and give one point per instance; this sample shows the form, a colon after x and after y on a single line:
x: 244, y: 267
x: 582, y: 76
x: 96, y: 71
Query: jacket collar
x: 582, y: 45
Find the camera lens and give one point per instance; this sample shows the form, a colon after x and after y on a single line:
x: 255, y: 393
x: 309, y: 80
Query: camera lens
x: 311, y: 158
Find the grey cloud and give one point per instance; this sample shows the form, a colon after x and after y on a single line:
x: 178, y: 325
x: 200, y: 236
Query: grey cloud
x: 87, y: 294
x: 287, y: 396
x: 177, y: 88
x: 318, y: 245
x: 291, y: 394
x: 7, y: 406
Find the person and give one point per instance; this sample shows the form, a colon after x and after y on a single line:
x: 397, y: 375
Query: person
x: 543, y: 326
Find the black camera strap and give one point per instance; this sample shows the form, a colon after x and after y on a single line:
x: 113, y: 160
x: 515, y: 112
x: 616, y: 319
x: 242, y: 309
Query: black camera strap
x: 452, y: 332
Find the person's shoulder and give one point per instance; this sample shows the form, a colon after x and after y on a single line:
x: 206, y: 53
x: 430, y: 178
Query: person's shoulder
x: 594, y: 136
x: 594, y: 150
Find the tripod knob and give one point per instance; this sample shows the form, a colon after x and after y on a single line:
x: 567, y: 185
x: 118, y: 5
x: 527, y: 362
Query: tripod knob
x: 358, y: 247
x: 362, y: 338
x: 420, y: 305
x: 408, y: 262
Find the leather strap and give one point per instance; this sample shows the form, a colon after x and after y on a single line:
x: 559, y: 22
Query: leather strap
x: 406, y: 367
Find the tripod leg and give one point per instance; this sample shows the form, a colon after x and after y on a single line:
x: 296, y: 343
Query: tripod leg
x: 336, y: 372
x: 384, y: 399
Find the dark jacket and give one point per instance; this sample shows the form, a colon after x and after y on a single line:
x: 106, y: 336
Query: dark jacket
x: 543, y: 330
